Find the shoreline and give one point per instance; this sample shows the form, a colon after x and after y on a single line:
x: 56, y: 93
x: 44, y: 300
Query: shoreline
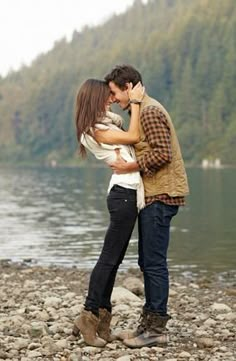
x: 184, y: 271
x: 39, y: 304
x: 82, y: 164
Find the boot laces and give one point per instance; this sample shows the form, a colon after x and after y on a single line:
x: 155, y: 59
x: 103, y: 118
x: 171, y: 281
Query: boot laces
x: 142, y: 323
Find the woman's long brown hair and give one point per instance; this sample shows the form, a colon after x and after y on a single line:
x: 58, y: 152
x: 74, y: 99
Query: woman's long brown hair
x: 90, y: 107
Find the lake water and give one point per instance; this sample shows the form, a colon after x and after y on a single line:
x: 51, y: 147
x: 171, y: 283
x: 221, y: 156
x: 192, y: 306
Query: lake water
x: 59, y: 216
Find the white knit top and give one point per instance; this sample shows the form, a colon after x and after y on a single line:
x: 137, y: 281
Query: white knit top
x: 106, y: 152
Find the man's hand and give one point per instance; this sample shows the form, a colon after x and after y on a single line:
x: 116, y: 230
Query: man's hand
x: 120, y: 166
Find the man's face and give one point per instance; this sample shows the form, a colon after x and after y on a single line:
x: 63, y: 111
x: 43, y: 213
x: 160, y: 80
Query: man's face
x: 119, y: 96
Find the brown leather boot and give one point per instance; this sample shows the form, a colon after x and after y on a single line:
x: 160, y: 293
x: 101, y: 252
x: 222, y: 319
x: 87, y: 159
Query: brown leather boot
x: 127, y: 334
x: 104, y: 330
x: 153, y: 334
x: 87, y: 324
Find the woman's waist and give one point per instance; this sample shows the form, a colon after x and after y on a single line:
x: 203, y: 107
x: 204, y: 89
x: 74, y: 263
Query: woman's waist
x: 129, y: 179
x: 122, y: 188
x: 109, y: 155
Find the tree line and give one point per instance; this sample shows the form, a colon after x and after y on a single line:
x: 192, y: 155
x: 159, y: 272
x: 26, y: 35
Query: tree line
x: 186, y: 52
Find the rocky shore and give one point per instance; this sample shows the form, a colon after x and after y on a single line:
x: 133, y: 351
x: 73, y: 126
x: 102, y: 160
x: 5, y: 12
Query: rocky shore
x: 38, y: 306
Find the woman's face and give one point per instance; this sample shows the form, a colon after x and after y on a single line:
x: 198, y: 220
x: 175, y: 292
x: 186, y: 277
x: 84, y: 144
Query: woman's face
x: 109, y: 101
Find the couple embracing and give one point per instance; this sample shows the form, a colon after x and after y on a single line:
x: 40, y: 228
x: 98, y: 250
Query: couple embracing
x: 149, y: 182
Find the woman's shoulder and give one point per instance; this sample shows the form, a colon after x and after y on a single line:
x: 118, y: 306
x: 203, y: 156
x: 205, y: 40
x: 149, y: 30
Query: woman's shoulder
x: 113, y: 118
x: 87, y: 140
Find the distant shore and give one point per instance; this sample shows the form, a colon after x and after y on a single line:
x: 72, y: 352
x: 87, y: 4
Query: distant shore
x: 83, y: 164
x: 39, y: 304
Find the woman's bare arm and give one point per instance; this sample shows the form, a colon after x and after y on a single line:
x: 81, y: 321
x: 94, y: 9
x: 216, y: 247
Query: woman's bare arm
x: 132, y: 135
x: 120, y: 136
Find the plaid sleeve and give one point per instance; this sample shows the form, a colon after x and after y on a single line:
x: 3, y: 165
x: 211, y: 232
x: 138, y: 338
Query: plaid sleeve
x: 158, y: 136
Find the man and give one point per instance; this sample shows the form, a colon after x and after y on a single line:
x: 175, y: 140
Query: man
x: 161, y: 165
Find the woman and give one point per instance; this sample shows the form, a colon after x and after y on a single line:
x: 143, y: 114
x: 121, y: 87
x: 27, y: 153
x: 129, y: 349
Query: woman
x: 99, y: 130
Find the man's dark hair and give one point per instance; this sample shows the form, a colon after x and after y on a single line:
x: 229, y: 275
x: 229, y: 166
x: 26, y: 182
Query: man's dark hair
x: 122, y: 74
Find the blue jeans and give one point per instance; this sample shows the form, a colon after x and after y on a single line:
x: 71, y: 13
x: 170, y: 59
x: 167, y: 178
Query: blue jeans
x: 154, y: 234
x: 122, y: 207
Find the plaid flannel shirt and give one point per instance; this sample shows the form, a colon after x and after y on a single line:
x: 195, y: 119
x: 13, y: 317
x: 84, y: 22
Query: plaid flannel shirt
x: 158, y: 136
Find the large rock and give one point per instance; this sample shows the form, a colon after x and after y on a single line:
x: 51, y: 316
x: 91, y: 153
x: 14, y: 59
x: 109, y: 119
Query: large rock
x: 124, y: 358
x: 134, y: 285
x: 21, y: 343
x: 203, y: 342
x: 15, y: 321
x: 52, y: 302
x: 220, y: 307
x: 75, y: 356
x: 38, y: 329
x: 122, y: 295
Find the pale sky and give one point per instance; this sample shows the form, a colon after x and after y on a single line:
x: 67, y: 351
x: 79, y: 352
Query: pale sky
x: 30, y: 27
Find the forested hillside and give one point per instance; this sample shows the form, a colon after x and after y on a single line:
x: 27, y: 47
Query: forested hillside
x: 186, y: 52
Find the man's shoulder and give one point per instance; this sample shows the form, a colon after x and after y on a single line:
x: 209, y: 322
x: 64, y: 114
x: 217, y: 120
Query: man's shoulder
x: 153, y: 110
x: 150, y: 103
x: 150, y: 108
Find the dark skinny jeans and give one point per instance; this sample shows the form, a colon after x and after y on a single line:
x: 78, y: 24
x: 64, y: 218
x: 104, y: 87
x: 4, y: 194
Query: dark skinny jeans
x: 121, y: 203
x: 154, y: 235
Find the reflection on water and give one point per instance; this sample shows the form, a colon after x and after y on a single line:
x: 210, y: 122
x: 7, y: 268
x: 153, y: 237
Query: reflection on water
x: 59, y: 216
